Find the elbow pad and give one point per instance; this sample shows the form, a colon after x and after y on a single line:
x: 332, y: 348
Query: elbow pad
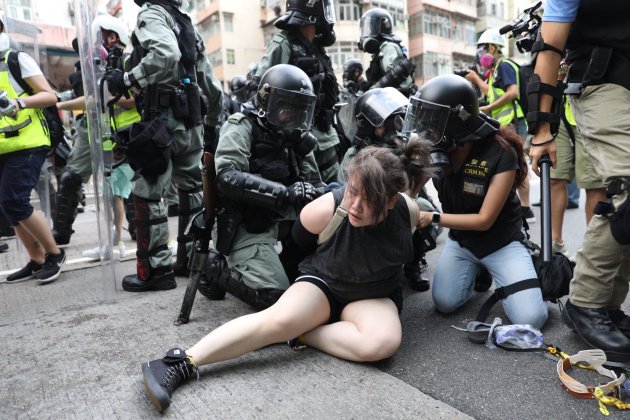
x: 252, y: 189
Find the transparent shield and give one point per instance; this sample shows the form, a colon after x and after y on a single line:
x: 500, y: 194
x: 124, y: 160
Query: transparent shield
x: 346, y: 115
x: 93, y: 61
x: 426, y: 119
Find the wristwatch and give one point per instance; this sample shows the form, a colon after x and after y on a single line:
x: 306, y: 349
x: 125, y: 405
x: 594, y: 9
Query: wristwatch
x: 20, y: 103
x: 435, y: 220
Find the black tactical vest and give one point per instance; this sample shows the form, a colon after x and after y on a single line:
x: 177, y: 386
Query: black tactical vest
x: 374, y: 73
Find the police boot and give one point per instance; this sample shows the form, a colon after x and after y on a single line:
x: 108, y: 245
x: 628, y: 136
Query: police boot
x: 596, y: 329
x: 190, y: 202
x: 163, y: 376
x: 416, y: 273
x: 220, y: 281
x: 131, y: 217
x: 67, y: 201
x: 483, y: 281
x: 151, y: 227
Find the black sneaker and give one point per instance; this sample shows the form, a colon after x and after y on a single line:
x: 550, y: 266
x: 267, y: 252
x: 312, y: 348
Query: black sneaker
x: 296, y: 344
x: 483, y: 281
x: 27, y: 272
x: 162, y: 376
x: 417, y: 275
x: 51, y: 268
x: 4, y: 247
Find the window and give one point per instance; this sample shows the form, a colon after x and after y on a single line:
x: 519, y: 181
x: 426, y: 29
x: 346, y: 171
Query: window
x: 228, y: 22
x: 340, y: 52
x: 19, y: 9
x: 215, y: 58
x: 229, y: 56
x: 210, y: 26
x: 432, y: 64
x: 348, y: 10
x: 435, y: 23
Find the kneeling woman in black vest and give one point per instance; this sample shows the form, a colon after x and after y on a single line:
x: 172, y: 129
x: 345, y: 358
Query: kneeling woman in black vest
x: 482, y: 166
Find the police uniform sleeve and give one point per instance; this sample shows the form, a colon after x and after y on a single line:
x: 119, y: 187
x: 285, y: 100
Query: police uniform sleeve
x: 155, y: 34
x: 309, y: 171
x: 209, y: 84
x: 234, y: 148
x: 389, y: 53
x: 278, y: 52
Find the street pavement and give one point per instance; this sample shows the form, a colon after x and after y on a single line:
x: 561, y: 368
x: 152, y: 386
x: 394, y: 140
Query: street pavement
x: 73, y: 349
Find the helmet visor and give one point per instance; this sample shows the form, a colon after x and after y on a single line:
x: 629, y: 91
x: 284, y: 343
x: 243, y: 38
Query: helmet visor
x: 290, y: 110
x: 329, y: 10
x: 370, y: 26
x: 240, y: 95
x: 381, y: 105
x: 427, y: 119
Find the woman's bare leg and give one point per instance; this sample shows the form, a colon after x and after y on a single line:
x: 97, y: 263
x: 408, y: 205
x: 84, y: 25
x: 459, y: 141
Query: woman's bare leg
x: 369, y: 330
x: 301, y: 308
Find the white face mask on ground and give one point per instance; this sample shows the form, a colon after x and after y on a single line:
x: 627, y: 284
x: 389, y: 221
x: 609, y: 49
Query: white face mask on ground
x: 4, y: 41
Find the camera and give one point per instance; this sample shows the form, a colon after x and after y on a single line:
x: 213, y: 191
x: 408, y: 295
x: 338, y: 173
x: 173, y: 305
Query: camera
x: 463, y: 71
x: 525, y: 27
x: 6, y: 106
x: 115, y: 59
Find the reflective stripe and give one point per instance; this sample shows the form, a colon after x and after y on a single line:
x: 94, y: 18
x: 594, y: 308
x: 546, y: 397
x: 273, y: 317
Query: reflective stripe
x: 505, y: 113
x: 568, y: 113
x: 124, y: 117
x: 28, y: 129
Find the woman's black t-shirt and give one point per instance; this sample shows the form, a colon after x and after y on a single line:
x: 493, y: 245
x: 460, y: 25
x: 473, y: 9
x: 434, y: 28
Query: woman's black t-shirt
x: 463, y: 192
x: 365, y: 262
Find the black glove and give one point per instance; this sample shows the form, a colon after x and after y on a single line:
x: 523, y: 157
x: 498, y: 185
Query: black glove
x: 116, y: 82
x: 302, y: 193
x: 76, y: 83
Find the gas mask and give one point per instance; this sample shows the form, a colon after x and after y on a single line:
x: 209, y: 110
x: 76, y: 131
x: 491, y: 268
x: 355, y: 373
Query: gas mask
x: 369, y: 44
x: 301, y: 141
x: 325, y: 34
x: 481, y: 50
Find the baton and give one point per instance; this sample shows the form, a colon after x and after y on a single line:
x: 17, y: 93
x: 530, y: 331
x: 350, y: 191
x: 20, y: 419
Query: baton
x: 544, y: 164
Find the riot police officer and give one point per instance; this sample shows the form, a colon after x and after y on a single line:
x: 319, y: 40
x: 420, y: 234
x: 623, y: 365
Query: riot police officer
x: 353, y: 79
x: 266, y: 172
x: 307, y: 27
x: 389, y: 66
x: 79, y: 167
x: 167, y: 143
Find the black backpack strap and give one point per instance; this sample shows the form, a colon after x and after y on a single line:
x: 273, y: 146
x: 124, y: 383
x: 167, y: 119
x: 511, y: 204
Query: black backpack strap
x: 503, y: 292
x: 14, y: 67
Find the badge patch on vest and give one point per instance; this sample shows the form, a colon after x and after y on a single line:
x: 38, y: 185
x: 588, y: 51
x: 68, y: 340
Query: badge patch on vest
x: 475, y: 177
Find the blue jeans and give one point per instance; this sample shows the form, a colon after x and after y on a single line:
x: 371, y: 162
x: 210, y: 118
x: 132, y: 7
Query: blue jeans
x: 454, y: 281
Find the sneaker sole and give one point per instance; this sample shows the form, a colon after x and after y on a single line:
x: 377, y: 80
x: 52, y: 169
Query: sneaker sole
x: 154, y: 399
x: 31, y: 277
x: 621, y: 359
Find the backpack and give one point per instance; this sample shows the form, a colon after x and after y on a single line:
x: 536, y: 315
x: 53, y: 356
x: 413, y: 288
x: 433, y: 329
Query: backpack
x: 51, y: 113
x: 524, y: 73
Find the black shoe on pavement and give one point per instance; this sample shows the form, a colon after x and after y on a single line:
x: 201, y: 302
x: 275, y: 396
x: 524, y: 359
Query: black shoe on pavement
x: 621, y: 321
x: 483, y: 281
x: 172, y: 210
x: 163, y: 376
x: 597, y: 330
x: 157, y: 281
x: 181, y: 269
x: 4, y: 247
x: 51, y: 268
x: 7, y: 232
x: 27, y: 272
x: 537, y: 204
x: 572, y: 205
x: 416, y: 273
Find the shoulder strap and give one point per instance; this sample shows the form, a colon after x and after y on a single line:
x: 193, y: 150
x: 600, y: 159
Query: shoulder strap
x: 14, y: 67
x: 340, y: 214
x: 414, y: 211
x: 503, y: 292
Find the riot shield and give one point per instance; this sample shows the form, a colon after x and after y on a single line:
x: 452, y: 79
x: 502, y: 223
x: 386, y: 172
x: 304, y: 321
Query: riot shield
x: 93, y: 61
x: 346, y: 115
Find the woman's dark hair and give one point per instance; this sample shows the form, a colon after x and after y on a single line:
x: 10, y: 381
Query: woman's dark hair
x: 384, y: 171
x: 508, y: 138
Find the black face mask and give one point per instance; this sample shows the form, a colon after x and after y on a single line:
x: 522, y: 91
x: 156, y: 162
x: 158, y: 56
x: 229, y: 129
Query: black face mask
x: 302, y: 142
x: 440, y: 158
x: 369, y: 44
x: 325, y: 35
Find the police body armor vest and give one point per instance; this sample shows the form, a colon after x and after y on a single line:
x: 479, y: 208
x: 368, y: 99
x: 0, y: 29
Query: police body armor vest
x: 375, y: 72
x: 506, y: 113
x: 27, y: 130
x: 313, y: 61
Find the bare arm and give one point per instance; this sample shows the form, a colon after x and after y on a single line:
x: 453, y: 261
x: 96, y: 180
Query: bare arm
x: 316, y: 215
x: 472, y: 76
x: 76, y: 104
x: 498, y: 192
x: 43, y: 95
x: 547, y: 65
x: 510, y: 95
